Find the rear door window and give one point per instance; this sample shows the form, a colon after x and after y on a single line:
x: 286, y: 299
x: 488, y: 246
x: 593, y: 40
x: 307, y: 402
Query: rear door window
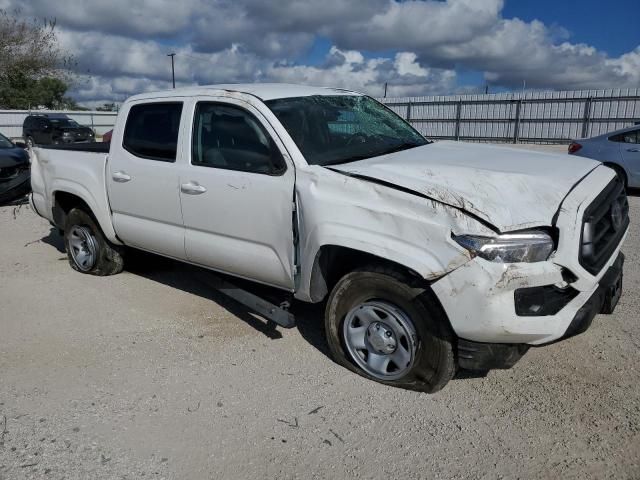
x: 151, y: 131
x: 632, y: 136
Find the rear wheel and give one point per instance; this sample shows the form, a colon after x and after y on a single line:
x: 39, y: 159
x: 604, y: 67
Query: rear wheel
x: 384, y: 329
x: 88, y: 249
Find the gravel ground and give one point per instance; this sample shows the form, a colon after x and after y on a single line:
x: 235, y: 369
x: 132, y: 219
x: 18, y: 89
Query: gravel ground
x: 152, y: 374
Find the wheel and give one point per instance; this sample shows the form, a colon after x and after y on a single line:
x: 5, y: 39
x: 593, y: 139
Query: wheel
x: 388, y: 331
x: 87, y: 248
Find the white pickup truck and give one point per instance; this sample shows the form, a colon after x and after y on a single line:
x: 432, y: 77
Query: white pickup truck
x: 429, y: 256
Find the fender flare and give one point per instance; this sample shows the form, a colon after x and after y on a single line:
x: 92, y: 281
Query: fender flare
x: 100, y: 212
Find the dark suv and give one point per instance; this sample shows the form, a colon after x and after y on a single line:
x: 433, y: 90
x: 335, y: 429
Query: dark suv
x: 54, y: 128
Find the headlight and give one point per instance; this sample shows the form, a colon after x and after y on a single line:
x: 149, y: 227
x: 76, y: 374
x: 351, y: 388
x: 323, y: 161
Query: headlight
x: 533, y: 246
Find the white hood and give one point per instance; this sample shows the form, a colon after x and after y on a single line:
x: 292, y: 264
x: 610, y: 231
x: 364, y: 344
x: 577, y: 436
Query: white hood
x: 510, y: 188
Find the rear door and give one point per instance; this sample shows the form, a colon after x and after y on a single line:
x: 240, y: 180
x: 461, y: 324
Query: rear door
x: 143, y: 177
x: 630, y: 151
x: 237, y: 194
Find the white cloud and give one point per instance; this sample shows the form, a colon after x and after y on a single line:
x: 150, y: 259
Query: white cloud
x: 414, y: 45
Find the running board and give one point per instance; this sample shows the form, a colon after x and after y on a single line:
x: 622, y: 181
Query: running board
x: 278, y: 314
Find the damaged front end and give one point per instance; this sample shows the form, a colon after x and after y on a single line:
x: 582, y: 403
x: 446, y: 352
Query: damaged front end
x: 15, y: 176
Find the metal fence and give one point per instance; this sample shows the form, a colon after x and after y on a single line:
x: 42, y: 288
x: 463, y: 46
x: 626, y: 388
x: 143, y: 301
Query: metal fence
x: 100, y: 122
x: 531, y: 117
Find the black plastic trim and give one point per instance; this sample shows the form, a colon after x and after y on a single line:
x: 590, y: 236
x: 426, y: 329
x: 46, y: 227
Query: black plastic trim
x: 488, y: 356
x: 551, y: 298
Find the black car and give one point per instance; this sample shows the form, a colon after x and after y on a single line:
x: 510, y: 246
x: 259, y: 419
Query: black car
x: 15, y: 176
x: 54, y: 129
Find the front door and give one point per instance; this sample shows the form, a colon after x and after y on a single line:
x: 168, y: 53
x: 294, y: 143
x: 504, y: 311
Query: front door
x: 143, y: 179
x: 237, y: 195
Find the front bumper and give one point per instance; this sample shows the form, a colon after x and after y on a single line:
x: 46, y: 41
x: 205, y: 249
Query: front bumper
x: 486, y: 356
x: 480, y: 297
x: 15, y: 187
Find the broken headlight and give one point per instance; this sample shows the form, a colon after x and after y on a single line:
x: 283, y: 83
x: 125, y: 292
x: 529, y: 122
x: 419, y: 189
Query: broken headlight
x: 531, y: 246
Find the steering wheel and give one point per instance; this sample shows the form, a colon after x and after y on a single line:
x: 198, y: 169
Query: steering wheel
x: 361, y: 136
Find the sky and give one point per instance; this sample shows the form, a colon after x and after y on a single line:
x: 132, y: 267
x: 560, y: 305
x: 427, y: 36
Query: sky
x: 417, y: 47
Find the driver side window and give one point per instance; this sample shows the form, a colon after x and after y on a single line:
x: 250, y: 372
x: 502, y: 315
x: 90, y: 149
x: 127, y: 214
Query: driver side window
x: 228, y: 137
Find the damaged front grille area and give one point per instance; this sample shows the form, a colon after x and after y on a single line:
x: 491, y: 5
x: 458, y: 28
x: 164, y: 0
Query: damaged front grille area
x: 604, y: 224
x: 9, y: 173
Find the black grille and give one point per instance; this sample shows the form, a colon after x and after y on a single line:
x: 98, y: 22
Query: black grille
x: 9, y: 173
x: 604, y: 223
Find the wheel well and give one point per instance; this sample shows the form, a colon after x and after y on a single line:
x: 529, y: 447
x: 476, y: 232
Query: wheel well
x: 332, y: 262
x: 619, y: 170
x: 63, y: 202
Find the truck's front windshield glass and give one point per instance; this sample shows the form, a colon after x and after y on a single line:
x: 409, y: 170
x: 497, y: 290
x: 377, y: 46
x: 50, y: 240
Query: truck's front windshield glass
x: 64, y: 122
x: 330, y: 130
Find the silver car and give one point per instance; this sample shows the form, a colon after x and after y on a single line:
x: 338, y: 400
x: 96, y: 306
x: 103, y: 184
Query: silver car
x: 620, y: 150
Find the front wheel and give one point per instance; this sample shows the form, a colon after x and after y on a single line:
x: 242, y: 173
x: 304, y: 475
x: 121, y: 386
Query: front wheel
x: 88, y: 249
x: 386, y: 330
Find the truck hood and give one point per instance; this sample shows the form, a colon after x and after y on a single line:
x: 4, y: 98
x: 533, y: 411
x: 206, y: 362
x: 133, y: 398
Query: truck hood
x: 509, y: 188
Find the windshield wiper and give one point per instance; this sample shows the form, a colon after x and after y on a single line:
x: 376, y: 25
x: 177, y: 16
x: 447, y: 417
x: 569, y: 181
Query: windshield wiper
x: 402, y: 146
x: 353, y: 158
x: 395, y: 148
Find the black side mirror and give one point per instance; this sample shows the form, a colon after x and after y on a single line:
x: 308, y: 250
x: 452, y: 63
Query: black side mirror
x: 20, y: 145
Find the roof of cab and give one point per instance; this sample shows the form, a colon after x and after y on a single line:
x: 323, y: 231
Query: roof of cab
x: 264, y: 91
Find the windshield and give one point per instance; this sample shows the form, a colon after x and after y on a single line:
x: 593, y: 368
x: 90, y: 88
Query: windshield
x: 338, y: 129
x: 5, y: 142
x: 64, y: 122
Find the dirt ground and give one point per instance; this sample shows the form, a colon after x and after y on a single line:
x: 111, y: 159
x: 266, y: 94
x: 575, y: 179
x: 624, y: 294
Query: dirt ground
x: 152, y: 374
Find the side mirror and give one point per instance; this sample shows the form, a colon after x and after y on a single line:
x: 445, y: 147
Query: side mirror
x: 20, y: 145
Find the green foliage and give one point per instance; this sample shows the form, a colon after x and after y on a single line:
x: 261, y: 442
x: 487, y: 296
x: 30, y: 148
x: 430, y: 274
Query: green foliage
x: 21, y: 92
x: 34, y: 71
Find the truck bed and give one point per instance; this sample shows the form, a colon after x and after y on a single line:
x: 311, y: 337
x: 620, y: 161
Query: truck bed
x: 78, y: 170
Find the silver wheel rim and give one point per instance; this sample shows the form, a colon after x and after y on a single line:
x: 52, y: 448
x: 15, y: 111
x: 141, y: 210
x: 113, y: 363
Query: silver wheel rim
x: 83, y: 246
x: 381, y: 339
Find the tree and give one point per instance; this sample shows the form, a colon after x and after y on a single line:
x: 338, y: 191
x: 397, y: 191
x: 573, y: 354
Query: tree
x: 34, y: 70
x: 107, y: 107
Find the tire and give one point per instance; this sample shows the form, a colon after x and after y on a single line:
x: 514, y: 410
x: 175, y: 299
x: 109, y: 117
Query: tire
x: 415, y: 323
x: 87, y: 248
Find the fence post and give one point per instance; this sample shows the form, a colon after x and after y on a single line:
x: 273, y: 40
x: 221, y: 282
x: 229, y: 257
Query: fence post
x: 458, y: 115
x: 409, y: 112
x: 586, y: 117
x: 516, y: 126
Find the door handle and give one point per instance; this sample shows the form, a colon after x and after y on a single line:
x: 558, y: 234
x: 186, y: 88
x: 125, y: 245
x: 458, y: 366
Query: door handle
x: 120, y: 177
x: 633, y: 150
x: 192, y: 188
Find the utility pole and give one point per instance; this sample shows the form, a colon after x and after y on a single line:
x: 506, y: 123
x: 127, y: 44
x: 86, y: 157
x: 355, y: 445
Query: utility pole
x: 173, y: 71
